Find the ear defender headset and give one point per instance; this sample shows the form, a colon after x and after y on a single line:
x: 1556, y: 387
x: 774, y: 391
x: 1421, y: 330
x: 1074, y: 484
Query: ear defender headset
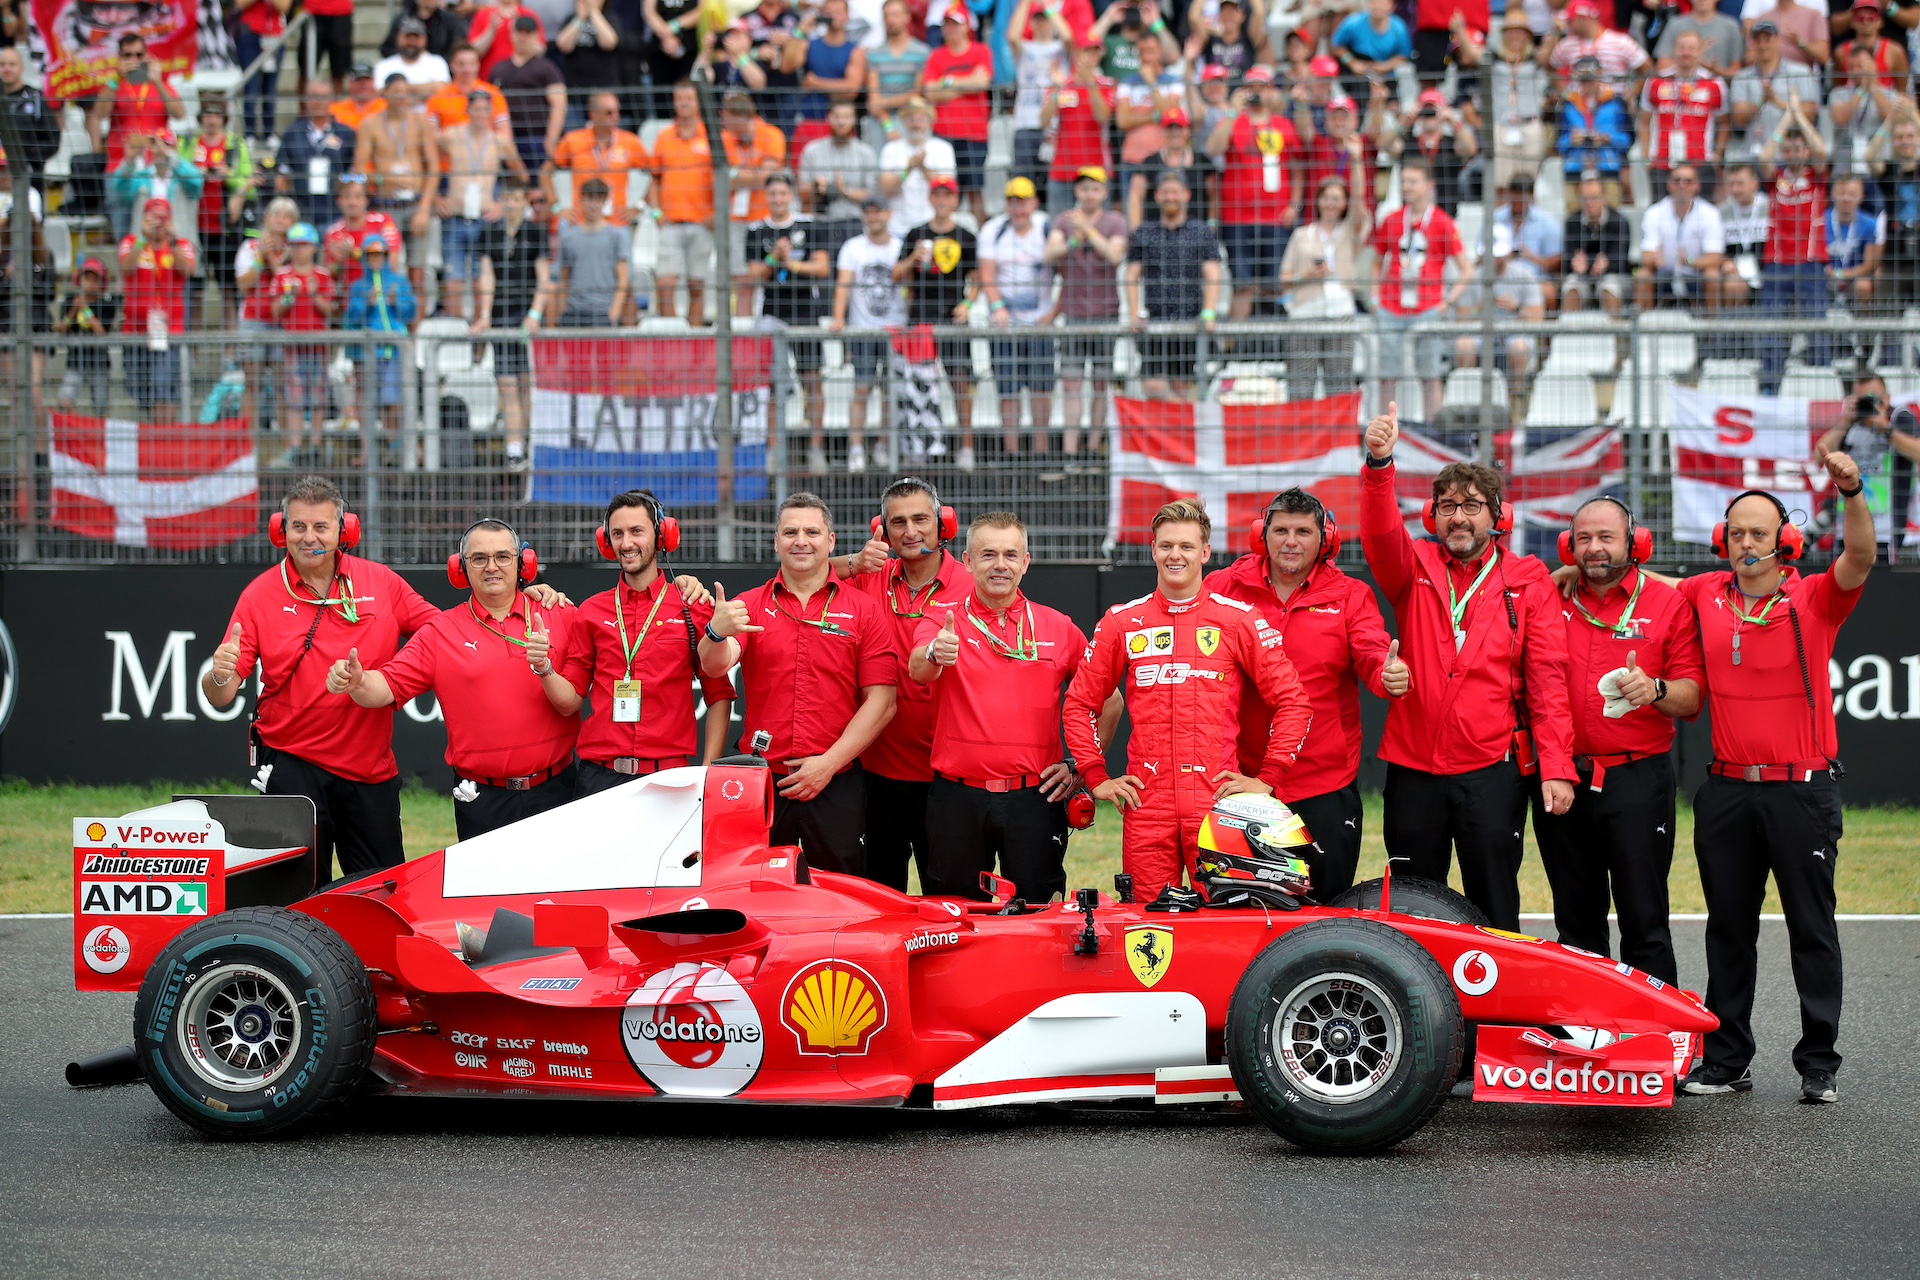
x: 1788, y: 544
x: 1502, y: 519
x: 457, y: 567
x: 1639, y: 541
x: 1329, y: 528
x: 666, y: 530
x: 948, y: 522
x: 349, y: 530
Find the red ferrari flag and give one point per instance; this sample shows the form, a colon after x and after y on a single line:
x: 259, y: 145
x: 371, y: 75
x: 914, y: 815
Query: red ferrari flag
x: 168, y: 486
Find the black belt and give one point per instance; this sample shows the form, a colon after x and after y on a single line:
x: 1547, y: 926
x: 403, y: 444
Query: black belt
x: 526, y: 782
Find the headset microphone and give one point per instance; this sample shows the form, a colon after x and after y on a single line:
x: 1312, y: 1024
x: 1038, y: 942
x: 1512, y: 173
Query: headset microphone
x: 1750, y: 561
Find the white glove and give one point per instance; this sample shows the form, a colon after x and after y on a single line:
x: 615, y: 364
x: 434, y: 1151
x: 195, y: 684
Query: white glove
x: 1617, y: 704
x: 259, y: 782
x: 466, y: 791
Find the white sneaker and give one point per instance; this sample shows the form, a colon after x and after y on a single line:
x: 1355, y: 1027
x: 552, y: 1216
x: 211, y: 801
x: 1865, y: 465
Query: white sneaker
x: 856, y: 459
x: 882, y: 455
x: 936, y: 448
x: 816, y: 461
x: 964, y: 460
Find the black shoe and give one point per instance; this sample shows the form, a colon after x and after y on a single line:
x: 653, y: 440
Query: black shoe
x: 1177, y: 898
x: 1707, y: 1078
x: 1817, y: 1088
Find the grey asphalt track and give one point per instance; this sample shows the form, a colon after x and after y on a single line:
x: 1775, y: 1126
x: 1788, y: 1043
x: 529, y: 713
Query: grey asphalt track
x: 106, y: 1183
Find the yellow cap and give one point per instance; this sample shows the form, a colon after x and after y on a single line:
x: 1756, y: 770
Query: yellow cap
x: 1020, y: 189
x: 1091, y: 171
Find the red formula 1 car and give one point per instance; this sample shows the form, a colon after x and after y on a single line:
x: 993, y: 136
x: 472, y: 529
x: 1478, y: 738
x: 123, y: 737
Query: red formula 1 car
x: 647, y: 943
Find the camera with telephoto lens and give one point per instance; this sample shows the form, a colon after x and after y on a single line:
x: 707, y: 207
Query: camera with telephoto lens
x: 1866, y: 406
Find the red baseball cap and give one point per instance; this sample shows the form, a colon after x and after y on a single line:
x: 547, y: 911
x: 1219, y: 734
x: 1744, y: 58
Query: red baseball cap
x: 1175, y: 119
x: 943, y: 182
x: 1258, y: 75
x: 1213, y: 71
x: 1867, y: 4
x: 1324, y: 67
x: 1583, y: 9
x: 160, y: 202
x: 1432, y: 98
x: 1341, y: 102
x: 94, y: 265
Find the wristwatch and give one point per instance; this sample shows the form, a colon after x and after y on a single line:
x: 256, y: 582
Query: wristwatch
x: 1659, y: 690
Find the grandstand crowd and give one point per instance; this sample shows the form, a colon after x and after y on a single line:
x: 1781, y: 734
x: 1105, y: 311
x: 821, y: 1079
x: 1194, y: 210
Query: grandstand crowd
x: 1015, y: 165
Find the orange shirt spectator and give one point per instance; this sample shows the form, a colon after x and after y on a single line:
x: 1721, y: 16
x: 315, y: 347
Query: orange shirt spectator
x: 362, y: 99
x: 750, y: 161
x: 683, y: 175
x: 610, y: 159
x: 449, y: 105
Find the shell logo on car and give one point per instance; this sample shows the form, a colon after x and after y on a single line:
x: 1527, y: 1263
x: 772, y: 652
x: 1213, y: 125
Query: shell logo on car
x: 692, y: 1031
x: 833, y: 1008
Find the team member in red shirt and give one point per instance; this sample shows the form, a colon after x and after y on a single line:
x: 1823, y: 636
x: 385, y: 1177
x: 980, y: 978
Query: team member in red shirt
x: 899, y: 768
x: 1263, y: 172
x: 154, y: 266
x: 294, y: 620
x: 1481, y: 631
x: 1336, y: 641
x: 994, y: 663
x: 1771, y: 801
x: 638, y: 655
x: 1181, y: 655
x: 1793, y: 161
x: 512, y: 718
x: 820, y: 670
x: 1633, y: 668
x: 1681, y: 112
x: 957, y: 78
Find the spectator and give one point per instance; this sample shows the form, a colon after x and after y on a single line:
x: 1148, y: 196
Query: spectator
x: 865, y: 297
x: 1311, y: 96
x: 87, y: 312
x: 535, y: 93
x: 1519, y: 100
x: 593, y: 264
x: 399, y: 153
x: 1077, y: 111
x: 1854, y: 241
x: 1621, y: 57
x: 1119, y: 29
x: 830, y: 65
x: 411, y: 60
x: 1139, y: 102
x: 1682, y: 244
x: 1745, y: 223
x: 1888, y: 57
x: 491, y: 33
x: 1447, y: 30
x: 363, y: 98
x: 1345, y: 151
x: 755, y: 149
x: 909, y: 162
x: 1207, y: 105
x: 473, y: 151
x: 1320, y: 271
x: 341, y: 246
x: 787, y: 258
x: 226, y: 169
x: 1898, y: 178
x: 1443, y: 142
x: 771, y: 26
x: 671, y: 47
x: 380, y: 301
x: 1017, y: 282
x: 731, y: 59
x: 451, y: 105
x: 154, y: 166
x: 893, y: 68
x: 1413, y: 247
x: 1375, y: 47
x: 1595, y: 131
x: 590, y: 49
x: 1039, y: 61
x: 957, y: 79
x: 254, y: 23
x: 1517, y: 297
x: 37, y: 121
x: 1806, y: 34
x: 312, y: 152
x: 1679, y: 114
x: 1857, y: 108
x: 605, y: 151
x: 260, y: 256
x: 1087, y: 244
x: 304, y: 302
x: 682, y: 198
x: 440, y: 30
x: 1596, y: 245
x: 1263, y: 169
x: 135, y: 102
x: 516, y: 269
x: 332, y: 24
x: 154, y: 266
x: 1723, y: 47
x: 1173, y: 277
x: 1528, y: 238
x: 1224, y: 39
x: 839, y: 171
x: 1793, y: 268
x: 1176, y: 153
x: 939, y: 264
x: 1763, y: 88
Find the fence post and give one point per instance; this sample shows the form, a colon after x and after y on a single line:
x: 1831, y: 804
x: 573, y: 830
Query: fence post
x: 778, y: 392
x: 424, y: 360
x: 369, y: 381
x: 26, y: 406
x: 1636, y: 463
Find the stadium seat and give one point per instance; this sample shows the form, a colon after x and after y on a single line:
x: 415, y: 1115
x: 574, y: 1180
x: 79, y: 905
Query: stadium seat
x: 1667, y: 344
x: 1583, y: 343
x: 1561, y: 401
x: 1806, y: 382
x: 1471, y: 224
x: 652, y: 129
x: 59, y: 238
x: 1730, y: 382
x: 1463, y: 389
x: 1736, y: 368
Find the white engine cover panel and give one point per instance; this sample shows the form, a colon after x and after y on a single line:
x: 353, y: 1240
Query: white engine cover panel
x: 1093, y: 1033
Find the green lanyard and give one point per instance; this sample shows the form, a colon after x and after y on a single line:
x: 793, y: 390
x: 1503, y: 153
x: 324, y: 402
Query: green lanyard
x: 500, y: 634
x: 348, y: 613
x: 916, y: 601
x: 821, y: 622
x: 1623, y: 629
x: 1757, y: 619
x: 1458, y: 604
x: 620, y: 621
x: 1024, y: 647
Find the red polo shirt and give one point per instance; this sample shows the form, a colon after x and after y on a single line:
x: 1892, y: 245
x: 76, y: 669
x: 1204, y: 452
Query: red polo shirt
x: 1758, y: 709
x: 665, y: 661
x: 997, y: 715
x: 901, y: 750
x: 499, y: 722
x: 1664, y: 643
x: 1334, y: 636
x: 296, y: 713
x: 137, y: 108
x: 804, y: 673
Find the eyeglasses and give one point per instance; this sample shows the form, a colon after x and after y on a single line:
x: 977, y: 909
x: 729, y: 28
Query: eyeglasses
x: 1470, y: 508
x: 503, y: 559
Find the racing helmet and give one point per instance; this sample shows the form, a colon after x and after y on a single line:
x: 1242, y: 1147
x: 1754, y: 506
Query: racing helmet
x: 1251, y: 848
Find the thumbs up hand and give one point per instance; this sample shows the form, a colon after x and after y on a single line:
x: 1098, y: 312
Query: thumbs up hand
x: 1384, y: 431
x: 730, y: 617
x: 873, y: 556
x: 1636, y: 686
x: 345, y: 675
x: 946, y: 645
x: 540, y: 647
x: 1396, y: 677
x: 226, y: 658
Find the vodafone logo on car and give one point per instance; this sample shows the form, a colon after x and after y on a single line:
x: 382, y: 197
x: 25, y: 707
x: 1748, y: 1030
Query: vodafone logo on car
x: 106, y: 950
x: 692, y: 1031
x: 1475, y: 972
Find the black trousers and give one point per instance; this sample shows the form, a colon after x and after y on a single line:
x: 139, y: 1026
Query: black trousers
x: 896, y: 829
x: 495, y: 807
x: 1614, y: 843
x: 358, y: 820
x: 1482, y: 814
x: 1741, y: 832
x: 968, y: 828
x: 831, y: 827
x: 1333, y: 820
x: 591, y: 779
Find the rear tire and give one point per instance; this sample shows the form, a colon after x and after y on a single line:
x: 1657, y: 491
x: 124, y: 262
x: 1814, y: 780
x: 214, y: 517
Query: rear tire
x: 1414, y: 896
x: 255, y: 1022
x: 1344, y: 1036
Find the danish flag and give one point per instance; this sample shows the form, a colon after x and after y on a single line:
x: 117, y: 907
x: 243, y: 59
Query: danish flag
x: 168, y: 486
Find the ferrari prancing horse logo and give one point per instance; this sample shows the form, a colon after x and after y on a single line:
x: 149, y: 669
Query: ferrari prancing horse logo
x: 1208, y: 638
x: 1149, y: 952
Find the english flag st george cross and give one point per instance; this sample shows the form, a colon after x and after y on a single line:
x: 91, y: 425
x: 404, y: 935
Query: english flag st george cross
x: 1235, y: 457
x: 166, y: 486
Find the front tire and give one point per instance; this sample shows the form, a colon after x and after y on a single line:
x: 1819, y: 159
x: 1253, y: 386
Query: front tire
x: 1413, y: 896
x: 1344, y: 1036
x: 255, y: 1022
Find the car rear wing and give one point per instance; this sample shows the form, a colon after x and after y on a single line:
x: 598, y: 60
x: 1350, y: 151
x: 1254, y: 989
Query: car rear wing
x: 141, y: 879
